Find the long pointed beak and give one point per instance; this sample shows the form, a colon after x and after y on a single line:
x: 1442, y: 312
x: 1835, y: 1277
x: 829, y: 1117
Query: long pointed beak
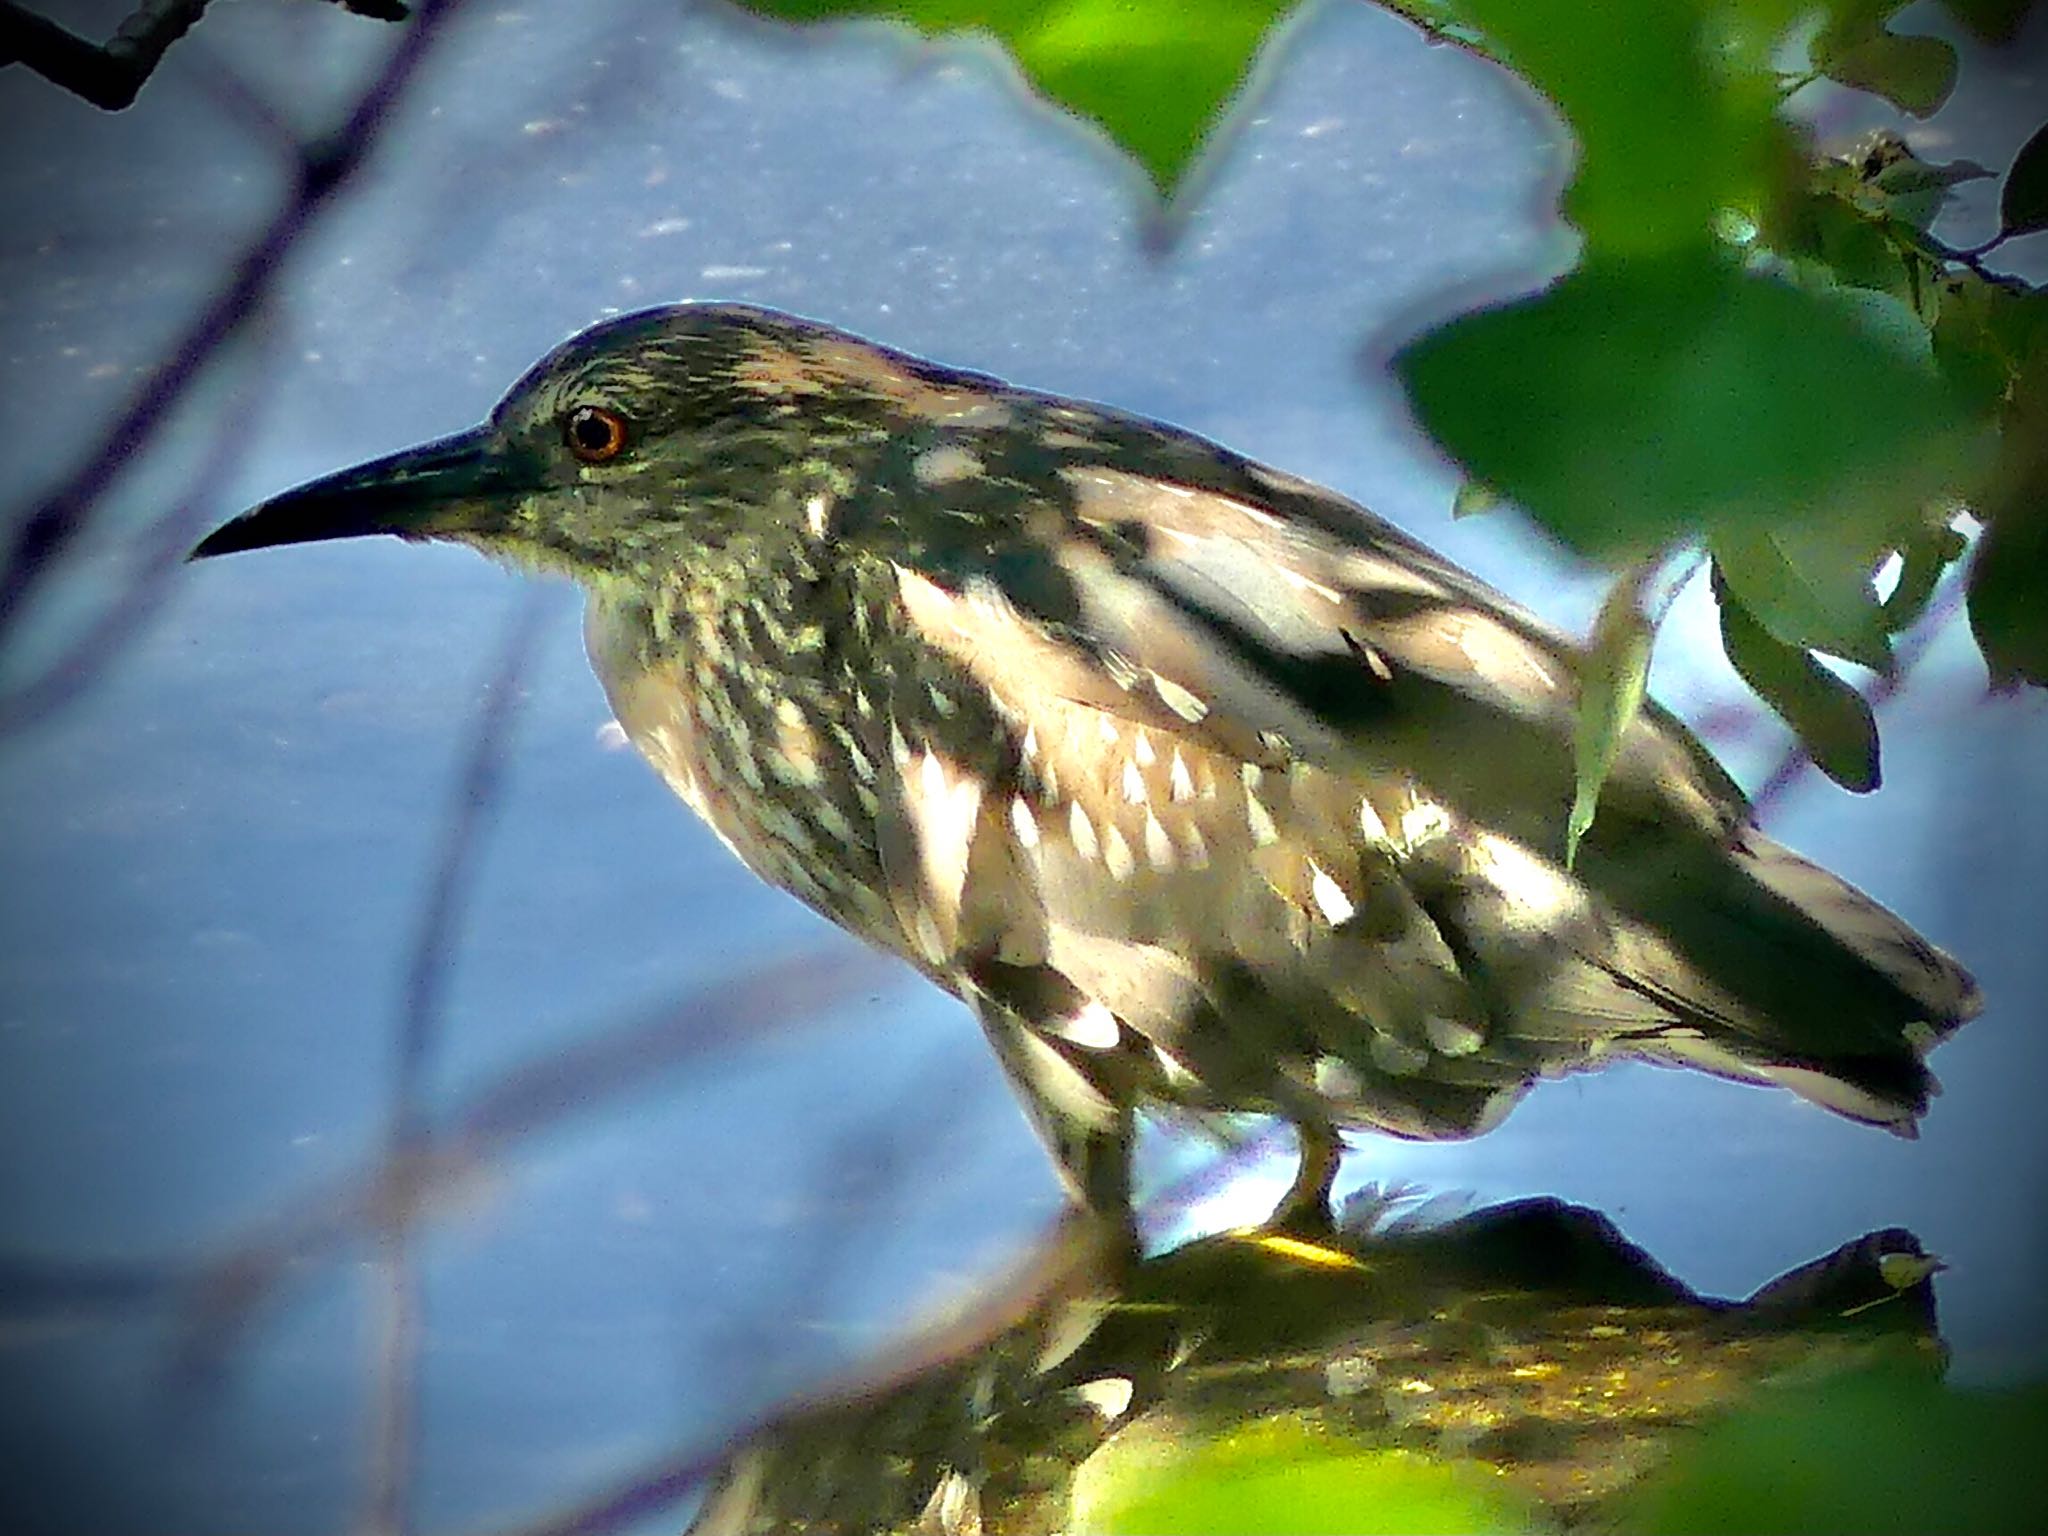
x: 454, y: 484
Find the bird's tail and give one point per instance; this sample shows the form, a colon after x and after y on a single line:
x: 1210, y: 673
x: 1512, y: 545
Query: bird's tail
x: 1842, y: 1000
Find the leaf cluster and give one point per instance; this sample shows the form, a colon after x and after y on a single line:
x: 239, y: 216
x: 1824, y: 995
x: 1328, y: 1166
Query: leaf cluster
x: 1764, y: 353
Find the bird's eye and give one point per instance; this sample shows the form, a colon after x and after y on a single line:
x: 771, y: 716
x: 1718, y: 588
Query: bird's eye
x: 595, y: 434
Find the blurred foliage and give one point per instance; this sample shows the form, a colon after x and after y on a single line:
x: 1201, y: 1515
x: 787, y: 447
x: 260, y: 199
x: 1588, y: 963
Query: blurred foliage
x: 1766, y: 356
x: 1877, y: 1451
x: 1611, y: 683
x: 1764, y: 352
x: 1519, y: 1368
x: 1286, y: 1477
x: 1156, y: 75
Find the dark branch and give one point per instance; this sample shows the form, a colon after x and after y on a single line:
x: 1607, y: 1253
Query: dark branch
x: 51, y: 527
x: 111, y: 77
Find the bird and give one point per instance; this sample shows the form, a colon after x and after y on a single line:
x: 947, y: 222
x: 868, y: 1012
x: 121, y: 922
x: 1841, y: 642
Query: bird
x: 1203, y: 787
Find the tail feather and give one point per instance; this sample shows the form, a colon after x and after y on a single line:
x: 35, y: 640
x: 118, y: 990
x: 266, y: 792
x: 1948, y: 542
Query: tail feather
x: 1946, y: 994
x: 1784, y: 973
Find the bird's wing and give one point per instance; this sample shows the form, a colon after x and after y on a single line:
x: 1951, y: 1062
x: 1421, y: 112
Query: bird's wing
x: 1261, y: 768
x: 1312, y: 754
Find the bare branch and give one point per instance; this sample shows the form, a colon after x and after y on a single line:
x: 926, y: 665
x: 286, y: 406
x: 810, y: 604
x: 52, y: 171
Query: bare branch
x: 109, y: 77
x: 51, y: 527
x: 113, y: 76
x: 392, y: 1438
x: 1079, y: 1253
x: 517, y: 1107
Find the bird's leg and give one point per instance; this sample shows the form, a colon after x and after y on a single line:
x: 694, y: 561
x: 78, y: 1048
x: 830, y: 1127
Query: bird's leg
x: 1304, y: 1210
x: 1070, y: 1093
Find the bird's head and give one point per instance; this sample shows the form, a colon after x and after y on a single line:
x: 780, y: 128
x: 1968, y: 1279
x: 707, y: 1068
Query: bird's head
x: 637, y: 445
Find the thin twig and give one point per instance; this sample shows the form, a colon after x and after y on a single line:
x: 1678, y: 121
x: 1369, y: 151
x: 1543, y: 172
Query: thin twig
x: 111, y: 77
x: 51, y: 527
x: 159, y: 552
x: 1076, y: 1255
x: 514, y: 1109
x: 392, y: 1441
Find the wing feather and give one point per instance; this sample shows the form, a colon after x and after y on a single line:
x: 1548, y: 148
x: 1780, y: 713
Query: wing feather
x: 1299, y: 787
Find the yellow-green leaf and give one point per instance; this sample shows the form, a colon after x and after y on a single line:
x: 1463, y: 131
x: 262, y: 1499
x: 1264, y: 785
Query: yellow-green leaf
x: 1155, y: 75
x: 1286, y: 1477
x: 1612, y: 676
x: 1473, y: 500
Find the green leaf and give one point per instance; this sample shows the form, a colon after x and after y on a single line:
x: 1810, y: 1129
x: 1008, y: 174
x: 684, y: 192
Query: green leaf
x: 2023, y: 203
x: 1640, y: 403
x: 2009, y: 597
x: 1473, y: 500
x: 1915, y: 74
x: 1286, y: 1477
x: 1832, y: 720
x: 1884, y: 1451
x: 1922, y: 559
x: 1994, y: 21
x: 1673, y: 104
x: 1915, y: 190
x: 1612, y: 676
x: 1972, y: 340
x: 1855, y: 247
x: 1807, y: 589
x: 2009, y: 576
x: 1154, y: 74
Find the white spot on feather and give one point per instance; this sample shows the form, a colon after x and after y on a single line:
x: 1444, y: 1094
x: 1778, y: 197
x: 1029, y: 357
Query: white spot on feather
x: 1094, y: 1028
x: 1180, y: 783
x: 945, y: 465
x: 1423, y: 821
x: 1158, y: 846
x: 1301, y: 583
x: 1023, y: 822
x: 1082, y: 831
x: 1179, y: 699
x: 1109, y: 1396
x: 1453, y: 1037
x: 1370, y: 824
x: 944, y: 811
x: 817, y: 513
x: 1370, y: 573
x: 1525, y: 879
x: 1134, y: 784
x: 1260, y: 820
x: 1329, y: 895
x: 1116, y: 854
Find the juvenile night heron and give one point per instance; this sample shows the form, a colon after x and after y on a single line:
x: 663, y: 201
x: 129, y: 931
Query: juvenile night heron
x: 1197, y: 783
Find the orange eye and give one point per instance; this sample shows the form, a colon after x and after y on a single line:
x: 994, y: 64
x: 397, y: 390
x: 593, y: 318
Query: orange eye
x: 595, y: 434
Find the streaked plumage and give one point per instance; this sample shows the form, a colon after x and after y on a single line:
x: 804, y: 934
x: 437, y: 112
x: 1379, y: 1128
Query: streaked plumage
x: 1195, y: 781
